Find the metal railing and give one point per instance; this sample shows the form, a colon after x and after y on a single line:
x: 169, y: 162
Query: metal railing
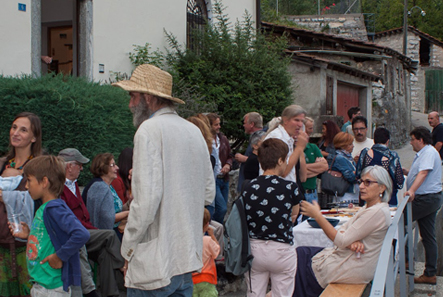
x: 392, y: 259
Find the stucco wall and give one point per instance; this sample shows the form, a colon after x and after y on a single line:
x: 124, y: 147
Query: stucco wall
x: 309, y: 84
x: 119, y: 24
x: 15, y: 38
x: 116, y: 26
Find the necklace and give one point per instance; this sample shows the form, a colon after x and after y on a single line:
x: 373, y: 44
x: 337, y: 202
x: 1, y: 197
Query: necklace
x: 12, y: 163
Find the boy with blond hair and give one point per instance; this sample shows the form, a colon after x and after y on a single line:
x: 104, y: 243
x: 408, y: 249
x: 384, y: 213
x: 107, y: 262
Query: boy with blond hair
x: 55, y: 236
x: 206, y: 280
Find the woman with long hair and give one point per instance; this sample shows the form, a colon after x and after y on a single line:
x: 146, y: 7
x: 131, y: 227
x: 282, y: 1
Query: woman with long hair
x: 25, y: 143
x: 329, y: 130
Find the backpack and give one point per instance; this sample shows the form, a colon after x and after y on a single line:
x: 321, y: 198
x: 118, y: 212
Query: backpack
x: 237, y: 250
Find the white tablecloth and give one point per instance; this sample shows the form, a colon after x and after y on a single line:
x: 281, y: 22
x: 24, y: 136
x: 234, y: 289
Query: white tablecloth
x: 305, y: 235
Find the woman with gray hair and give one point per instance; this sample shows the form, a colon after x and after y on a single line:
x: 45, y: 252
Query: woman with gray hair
x: 357, y: 244
x: 290, y: 131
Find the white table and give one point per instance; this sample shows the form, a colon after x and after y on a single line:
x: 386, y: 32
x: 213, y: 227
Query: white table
x: 305, y: 235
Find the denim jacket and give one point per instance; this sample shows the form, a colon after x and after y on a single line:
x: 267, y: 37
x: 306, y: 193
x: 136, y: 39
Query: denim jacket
x: 344, y: 165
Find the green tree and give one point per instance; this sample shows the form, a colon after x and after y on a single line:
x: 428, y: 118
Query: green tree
x: 237, y: 68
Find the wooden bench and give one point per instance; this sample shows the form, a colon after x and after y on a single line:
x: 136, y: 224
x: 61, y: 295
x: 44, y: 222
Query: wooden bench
x: 344, y: 290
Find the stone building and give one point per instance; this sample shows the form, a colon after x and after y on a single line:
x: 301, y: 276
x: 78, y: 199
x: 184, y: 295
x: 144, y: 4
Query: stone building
x: 332, y: 73
x: 426, y: 83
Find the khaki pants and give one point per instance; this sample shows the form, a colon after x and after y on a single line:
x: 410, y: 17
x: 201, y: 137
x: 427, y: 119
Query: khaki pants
x: 272, y: 260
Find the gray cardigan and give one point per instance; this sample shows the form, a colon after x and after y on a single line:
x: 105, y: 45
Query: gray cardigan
x: 100, y: 204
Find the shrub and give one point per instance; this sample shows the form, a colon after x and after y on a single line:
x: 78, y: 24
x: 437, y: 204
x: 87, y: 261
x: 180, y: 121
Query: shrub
x: 75, y: 113
x: 237, y: 68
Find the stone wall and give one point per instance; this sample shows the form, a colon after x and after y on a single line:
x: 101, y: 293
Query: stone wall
x: 418, y: 82
x: 436, y: 56
x: 345, y: 25
x: 395, y: 41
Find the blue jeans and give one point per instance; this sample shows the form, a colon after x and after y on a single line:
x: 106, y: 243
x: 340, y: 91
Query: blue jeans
x: 310, y: 197
x: 181, y: 285
x: 221, y: 199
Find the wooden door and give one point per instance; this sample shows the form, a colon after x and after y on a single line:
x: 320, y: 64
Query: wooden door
x: 434, y: 90
x: 347, y: 97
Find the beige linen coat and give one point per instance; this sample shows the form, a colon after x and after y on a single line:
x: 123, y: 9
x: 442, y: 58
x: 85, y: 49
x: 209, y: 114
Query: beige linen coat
x: 172, y: 181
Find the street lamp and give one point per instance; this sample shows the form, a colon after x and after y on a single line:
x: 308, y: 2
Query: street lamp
x: 407, y: 13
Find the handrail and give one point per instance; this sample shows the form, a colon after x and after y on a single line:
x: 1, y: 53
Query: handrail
x: 389, y: 264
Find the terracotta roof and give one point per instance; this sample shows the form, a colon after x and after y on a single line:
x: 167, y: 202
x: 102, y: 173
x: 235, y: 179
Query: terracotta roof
x: 334, y: 66
x: 410, y: 29
x: 350, y: 44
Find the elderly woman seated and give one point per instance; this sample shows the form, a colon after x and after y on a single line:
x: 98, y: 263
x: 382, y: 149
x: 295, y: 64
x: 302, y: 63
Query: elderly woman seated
x: 104, y: 205
x: 358, y: 242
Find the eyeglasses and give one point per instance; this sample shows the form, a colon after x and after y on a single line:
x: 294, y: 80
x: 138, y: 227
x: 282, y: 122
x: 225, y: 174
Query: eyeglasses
x: 112, y: 164
x: 359, y: 129
x: 367, y: 182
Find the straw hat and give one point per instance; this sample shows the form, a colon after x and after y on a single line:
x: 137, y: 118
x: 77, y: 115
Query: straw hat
x: 149, y: 79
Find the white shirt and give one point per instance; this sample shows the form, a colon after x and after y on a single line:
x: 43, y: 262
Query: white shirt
x: 71, y: 185
x: 280, y: 133
x: 359, y: 146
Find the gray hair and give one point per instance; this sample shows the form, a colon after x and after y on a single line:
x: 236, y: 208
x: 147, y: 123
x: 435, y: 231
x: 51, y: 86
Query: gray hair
x: 256, y: 118
x: 256, y: 137
x: 382, y: 177
x: 292, y: 111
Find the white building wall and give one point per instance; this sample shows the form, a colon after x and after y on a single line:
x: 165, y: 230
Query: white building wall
x: 15, y: 38
x: 119, y: 24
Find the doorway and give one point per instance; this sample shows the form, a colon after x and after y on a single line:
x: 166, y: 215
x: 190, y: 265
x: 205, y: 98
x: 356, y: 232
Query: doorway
x: 60, y: 48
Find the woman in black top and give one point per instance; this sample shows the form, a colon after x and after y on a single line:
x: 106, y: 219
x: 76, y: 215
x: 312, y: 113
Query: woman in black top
x: 271, y: 206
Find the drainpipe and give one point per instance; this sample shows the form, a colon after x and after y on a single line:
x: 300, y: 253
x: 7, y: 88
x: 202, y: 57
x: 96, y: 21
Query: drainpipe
x: 257, y: 14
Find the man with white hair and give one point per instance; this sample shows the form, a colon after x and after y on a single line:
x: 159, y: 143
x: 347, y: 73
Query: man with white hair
x: 172, y: 180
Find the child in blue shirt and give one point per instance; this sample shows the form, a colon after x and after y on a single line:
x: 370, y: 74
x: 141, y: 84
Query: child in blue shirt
x: 56, y: 235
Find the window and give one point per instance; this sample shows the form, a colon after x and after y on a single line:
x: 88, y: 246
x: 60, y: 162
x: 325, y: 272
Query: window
x: 197, y: 16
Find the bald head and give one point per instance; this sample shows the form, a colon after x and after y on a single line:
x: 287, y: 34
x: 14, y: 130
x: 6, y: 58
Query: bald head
x: 433, y: 119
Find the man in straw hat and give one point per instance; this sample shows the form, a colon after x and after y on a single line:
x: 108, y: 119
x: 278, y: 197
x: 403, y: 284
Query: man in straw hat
x: 172, y: 180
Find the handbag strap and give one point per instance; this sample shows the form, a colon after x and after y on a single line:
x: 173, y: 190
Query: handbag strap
x: 330, y: 167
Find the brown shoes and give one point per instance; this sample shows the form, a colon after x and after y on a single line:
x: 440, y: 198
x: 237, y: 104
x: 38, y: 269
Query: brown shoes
x: 423, y: 279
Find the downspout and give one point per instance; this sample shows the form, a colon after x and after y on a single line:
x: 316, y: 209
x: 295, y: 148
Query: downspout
x: 258, y: 14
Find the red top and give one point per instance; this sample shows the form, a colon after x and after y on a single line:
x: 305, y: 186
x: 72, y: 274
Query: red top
x: 75, y: 203
x: 120, y: 188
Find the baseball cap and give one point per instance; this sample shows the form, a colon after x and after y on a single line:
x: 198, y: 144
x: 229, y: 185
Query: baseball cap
x: 72, y: 154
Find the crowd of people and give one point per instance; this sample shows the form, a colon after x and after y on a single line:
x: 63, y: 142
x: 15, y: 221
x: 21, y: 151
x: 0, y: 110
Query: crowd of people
x: 153, y: 220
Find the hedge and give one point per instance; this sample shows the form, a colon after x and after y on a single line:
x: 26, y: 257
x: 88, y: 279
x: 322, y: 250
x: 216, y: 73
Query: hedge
x: 74, y: 112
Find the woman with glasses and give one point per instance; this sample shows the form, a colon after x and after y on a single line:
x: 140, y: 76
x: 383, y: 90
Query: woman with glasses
x: 104, y: 206
x: 357, y: 243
